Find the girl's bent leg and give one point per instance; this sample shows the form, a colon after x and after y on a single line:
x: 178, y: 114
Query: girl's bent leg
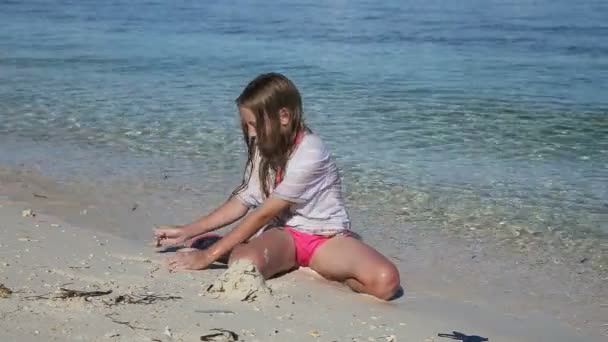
x: 272, y: 252
x: 360, y: 266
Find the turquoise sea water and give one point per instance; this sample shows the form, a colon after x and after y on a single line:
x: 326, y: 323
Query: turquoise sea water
x: 476, y: 115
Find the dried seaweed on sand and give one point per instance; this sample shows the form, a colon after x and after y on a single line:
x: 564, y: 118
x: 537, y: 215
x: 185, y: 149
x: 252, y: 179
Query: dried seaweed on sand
x: 127, y: 323
x: 64, y: 293
x: 140, y: 299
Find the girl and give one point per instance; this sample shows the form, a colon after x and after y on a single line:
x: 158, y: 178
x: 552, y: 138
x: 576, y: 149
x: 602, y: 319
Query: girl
x: 292, y: 192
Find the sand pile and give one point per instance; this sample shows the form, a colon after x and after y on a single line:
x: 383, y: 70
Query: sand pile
x: 240, y: 281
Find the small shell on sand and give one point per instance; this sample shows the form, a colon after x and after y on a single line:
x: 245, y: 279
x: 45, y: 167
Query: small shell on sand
x: 5, y: 292
x: 220, y: 335
x: 168, y: 332
x: 240, y: 281
x: 27, y: 213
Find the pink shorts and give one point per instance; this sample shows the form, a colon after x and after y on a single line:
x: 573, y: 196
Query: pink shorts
x: 306, y: 245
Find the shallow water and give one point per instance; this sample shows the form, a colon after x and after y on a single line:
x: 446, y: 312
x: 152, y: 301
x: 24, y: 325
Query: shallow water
x: 478, y: 116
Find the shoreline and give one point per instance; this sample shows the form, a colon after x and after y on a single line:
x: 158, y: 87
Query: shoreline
x: 442, y: 275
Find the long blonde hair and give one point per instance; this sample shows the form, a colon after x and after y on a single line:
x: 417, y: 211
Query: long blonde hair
x: 265, y: 97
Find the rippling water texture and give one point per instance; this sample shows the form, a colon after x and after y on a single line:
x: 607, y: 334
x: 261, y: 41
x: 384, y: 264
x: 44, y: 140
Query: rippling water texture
x: 476, y: 115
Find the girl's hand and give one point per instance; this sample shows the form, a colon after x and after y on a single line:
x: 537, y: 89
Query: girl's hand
x: 189, y: 259
x: 170, y: 235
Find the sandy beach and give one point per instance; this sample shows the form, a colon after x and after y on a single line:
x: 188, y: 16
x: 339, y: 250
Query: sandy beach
x: 42, y: 252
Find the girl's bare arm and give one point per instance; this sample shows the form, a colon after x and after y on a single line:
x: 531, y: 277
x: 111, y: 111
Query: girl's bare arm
x: 271, y: 207
x: 228, y: 213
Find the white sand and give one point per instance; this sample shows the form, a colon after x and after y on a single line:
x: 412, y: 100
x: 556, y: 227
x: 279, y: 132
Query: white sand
x: 241, y: 281
x: 42, y: 253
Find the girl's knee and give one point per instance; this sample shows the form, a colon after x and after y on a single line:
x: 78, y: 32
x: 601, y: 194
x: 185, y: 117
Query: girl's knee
x: 385, y: 282
x: 390, y: 282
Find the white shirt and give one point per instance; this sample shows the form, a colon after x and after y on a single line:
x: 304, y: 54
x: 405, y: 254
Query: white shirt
x: 311, y: 181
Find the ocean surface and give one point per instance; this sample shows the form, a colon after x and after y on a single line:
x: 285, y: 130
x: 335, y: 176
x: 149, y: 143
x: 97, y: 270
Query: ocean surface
x: 468, y: 116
